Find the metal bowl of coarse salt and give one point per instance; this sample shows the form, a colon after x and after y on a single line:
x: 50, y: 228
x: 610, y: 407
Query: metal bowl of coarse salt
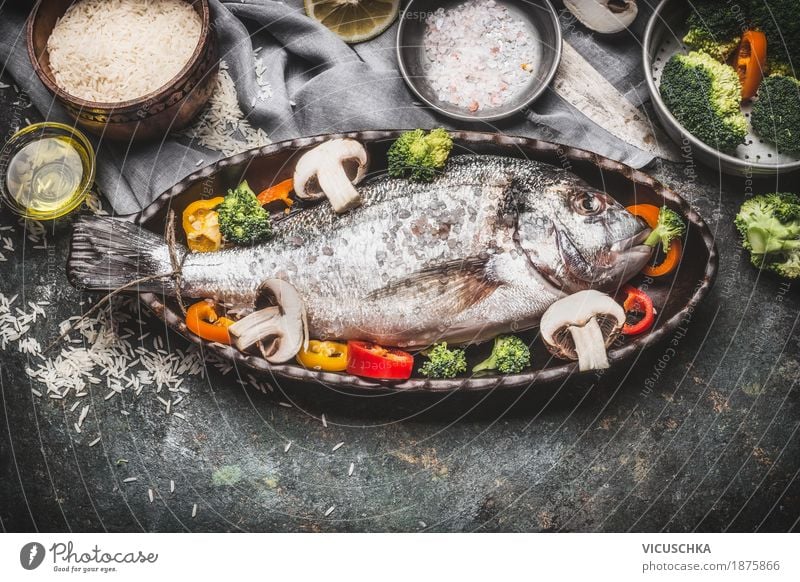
x: 478, y: 60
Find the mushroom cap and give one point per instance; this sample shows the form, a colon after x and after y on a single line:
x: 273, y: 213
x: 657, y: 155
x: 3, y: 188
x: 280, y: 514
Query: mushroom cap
x: 278, y: 326
x: 604, y: 16
x: 577, y: 310
x: 347, y: 153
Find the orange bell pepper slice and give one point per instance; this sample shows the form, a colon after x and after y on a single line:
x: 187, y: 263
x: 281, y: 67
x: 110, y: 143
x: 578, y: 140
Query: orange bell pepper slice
x: 649, y: 213
x: 279, y: 191
x: 202, y: 320
x: 751, y: 61
x: 668, y: 264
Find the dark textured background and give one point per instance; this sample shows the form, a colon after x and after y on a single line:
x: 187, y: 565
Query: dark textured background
x: 712, y: 447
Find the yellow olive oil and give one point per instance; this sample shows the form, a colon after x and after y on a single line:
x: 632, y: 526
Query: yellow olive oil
x: 47, y: 177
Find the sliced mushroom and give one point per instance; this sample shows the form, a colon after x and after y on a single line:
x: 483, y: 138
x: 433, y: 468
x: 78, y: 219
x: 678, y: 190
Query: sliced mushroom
x: 604, y: 16
x: 331, y: 169
x: 581, y: 326
x: 278, y: 326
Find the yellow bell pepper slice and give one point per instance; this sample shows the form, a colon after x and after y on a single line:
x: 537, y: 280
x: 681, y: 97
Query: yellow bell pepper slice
x: 324, y: 355
x: 201, y: 225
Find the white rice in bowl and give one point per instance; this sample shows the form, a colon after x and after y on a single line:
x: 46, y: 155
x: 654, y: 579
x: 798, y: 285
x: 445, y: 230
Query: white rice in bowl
x: 117, y: 50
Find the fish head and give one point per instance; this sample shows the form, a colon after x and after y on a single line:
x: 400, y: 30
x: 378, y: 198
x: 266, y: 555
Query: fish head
x: 582, y: 238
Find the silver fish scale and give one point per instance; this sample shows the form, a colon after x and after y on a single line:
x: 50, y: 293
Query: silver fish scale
x: 359, y: 272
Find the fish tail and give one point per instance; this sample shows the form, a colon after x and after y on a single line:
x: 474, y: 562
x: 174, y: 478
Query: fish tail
x: 109, y: 253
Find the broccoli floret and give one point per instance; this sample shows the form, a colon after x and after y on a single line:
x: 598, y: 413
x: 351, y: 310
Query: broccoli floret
x: 770, y: 223
x: 704, y: 96
x: 776, y: 113
x: 714, y: 29
x: 242, y: 220
x: 700, y: 41
x: 510, y: 355
x: 779, y: 20
x: 418, y: 155
x: 669, y: 227
x: 770, y: 227
x: 443, y: 363
x: 778, y: 68
x: 788, y: 268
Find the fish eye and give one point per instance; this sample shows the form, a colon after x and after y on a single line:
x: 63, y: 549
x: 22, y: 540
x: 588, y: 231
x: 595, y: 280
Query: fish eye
x: 588, y: 204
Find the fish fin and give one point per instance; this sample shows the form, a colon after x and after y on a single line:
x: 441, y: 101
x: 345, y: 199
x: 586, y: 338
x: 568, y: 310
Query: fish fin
x: 465, y: 281
x: 108, y: 253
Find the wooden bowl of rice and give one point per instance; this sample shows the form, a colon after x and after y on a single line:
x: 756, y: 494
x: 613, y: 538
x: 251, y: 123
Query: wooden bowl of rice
x: 125, y: 69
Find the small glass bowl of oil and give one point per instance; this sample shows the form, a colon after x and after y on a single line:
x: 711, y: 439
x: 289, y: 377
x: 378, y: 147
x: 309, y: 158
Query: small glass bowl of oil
x: 46, y: 170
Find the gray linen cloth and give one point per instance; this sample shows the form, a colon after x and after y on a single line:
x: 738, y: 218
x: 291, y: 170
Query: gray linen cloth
x: 320, y: 85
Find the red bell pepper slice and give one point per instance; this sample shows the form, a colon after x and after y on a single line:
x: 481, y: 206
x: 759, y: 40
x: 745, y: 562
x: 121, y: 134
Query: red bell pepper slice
x: 637, y: 303
x: 373, y: 361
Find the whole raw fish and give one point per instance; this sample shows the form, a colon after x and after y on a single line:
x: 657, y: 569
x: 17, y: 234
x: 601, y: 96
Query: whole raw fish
x: 483, y: 249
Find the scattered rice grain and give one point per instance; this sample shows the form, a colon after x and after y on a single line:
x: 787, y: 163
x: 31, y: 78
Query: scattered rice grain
x: 222, y: 126
x: 82, y: 417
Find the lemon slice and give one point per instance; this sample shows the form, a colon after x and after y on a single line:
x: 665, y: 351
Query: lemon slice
x: 354, y: 20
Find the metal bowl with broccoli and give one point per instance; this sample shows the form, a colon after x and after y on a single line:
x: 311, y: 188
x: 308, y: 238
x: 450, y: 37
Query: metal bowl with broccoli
x: 721, y: 82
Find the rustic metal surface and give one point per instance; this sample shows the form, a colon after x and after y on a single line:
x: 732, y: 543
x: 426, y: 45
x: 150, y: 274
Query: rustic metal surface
x: 699, y: 433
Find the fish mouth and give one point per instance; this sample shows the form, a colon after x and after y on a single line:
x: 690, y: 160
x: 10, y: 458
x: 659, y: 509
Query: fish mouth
x: 631, y: 242
x: 638, y: 254
x: 624, y: 259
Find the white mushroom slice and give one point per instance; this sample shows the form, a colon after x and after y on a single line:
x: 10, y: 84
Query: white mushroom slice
x: 581, y: 326
x: 278, y: 325
x: 331, y: 169
x: 604, y: 16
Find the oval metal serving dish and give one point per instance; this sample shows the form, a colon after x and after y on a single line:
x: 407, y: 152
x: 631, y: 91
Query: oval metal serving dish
x: 675, y: 297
